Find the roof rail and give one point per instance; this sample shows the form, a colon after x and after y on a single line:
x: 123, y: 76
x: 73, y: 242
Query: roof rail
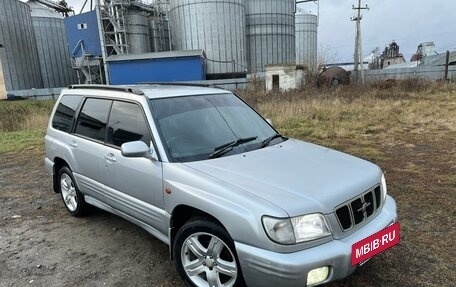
x: 107, y: 88
x: 180, y: 84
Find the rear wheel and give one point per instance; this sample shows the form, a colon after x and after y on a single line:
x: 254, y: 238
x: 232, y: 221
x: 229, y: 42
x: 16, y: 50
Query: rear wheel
x: 71, y: 196
x: 205, y: 255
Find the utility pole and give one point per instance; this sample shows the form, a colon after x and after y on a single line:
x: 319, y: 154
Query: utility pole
x: 359, y: 63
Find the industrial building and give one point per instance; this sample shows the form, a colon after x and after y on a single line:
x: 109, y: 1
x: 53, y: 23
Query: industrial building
x: 45, y: 45
x: 390, y: 56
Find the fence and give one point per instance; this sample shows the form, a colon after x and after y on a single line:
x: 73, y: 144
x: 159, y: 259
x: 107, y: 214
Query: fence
x: 433, y: 73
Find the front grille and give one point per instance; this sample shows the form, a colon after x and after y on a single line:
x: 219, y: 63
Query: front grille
x: 356, y: 211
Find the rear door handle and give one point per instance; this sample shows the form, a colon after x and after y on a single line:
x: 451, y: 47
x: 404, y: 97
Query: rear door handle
x: 73, y: 144
x: 110, y: 157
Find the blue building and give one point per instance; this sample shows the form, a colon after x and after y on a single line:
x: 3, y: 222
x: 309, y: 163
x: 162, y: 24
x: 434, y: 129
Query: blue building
x: 170, y: 66
x: 83, y: 35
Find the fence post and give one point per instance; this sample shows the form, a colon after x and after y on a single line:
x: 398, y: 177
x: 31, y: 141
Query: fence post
x: 447, y: 63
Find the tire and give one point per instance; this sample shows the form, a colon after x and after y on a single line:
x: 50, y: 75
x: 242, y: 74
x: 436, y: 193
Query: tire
x: 71, y: 196
x: 205, y: 255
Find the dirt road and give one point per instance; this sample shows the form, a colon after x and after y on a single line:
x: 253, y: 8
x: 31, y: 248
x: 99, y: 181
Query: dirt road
x: 41, y: 245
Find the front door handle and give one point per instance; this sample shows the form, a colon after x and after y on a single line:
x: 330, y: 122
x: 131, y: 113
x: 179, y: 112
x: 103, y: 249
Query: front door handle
x: 110, y: 157
x: 73, y: 144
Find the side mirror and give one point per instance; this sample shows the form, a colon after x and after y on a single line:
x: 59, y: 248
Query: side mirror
x: 135, y: 149
x: 270, y: 122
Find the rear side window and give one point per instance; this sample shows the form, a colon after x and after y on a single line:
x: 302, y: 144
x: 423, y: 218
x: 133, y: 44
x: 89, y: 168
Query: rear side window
x: 64, y: 115
x: 126, y: 124
x: 92, y: 119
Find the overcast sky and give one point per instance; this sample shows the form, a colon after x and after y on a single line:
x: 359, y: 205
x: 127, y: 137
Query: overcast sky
x: 408, y: 22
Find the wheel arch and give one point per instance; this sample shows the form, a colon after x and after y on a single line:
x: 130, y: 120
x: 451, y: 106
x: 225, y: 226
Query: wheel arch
x: 182, y: 214
x: 58, y: 164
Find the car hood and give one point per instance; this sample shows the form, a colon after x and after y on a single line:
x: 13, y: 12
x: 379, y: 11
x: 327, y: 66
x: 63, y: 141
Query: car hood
x: 299, y: 177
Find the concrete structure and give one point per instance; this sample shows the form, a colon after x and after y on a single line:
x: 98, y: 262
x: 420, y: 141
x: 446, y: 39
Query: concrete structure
x: 306, y: 40
x: 157, y: 67
x: 52, y: 47
x: 217, y: 27
x: 390, y: 56
x: 284, y: 77
x: 18, y: 55
x: 270, y: 33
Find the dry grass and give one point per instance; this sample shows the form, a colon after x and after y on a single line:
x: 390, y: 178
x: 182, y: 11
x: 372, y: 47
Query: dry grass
x: 347, y: 112
x: 24, y: 115
x: 23, y: 124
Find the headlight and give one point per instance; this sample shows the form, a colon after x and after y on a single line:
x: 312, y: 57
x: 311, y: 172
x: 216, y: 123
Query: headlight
x: 296, y: 229
x: 384, y: 190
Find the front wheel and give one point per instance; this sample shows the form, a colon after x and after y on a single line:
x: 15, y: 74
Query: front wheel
x: 205, y: 255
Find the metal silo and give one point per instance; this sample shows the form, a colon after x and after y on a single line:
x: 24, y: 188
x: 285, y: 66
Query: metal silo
x: 137, y: 32
x: 306, y: 40
x: 270, y: 33
x: 217, y: 27
x: 159, y: 34
x: 18, y: 55
x: 52, y: 47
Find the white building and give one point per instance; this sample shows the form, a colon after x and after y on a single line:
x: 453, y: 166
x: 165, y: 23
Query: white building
x: 284, y: 77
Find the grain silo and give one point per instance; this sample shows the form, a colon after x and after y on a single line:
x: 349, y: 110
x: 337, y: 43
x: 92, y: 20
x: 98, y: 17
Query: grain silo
x: 306, y: 40
x: 217, y: 27
x: 52, y: 47
x: 159, y: 34
x: 137, y: 32
x: 18, y: 52
x: 270, y: 33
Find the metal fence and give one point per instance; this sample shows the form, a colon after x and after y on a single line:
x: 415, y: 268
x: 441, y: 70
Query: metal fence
x: 433, y: 73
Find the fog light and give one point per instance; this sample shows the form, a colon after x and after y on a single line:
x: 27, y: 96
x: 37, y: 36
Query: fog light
x: 318, y: 275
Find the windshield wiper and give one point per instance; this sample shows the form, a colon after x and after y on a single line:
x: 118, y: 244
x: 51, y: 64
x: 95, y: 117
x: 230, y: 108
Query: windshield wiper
x: 220, y: 150
x: 267, y: 141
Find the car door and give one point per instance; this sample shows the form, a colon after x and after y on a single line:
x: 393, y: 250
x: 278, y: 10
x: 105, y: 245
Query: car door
x: 86, y: 144
x: 132, y: 185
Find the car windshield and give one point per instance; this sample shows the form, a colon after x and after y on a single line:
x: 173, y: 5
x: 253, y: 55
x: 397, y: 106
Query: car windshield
x: 201, y: 127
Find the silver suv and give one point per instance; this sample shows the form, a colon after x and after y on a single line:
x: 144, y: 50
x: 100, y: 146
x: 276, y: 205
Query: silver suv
x: 199, y: 169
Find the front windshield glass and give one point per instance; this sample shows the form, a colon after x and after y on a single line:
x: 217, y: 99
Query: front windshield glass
x: 192, y: 128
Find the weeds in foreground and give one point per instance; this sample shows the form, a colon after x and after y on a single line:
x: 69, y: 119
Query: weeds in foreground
x: 23, y: 124
x: 24, y: 115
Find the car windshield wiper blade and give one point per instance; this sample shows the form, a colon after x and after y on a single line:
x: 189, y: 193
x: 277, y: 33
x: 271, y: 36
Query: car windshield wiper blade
x: 220, y: 150
x: 267, y: 141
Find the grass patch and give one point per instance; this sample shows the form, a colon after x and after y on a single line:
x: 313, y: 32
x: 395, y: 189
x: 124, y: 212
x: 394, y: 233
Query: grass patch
x: 23, y: 124
x: 31, y: 140
x: 24, y: 115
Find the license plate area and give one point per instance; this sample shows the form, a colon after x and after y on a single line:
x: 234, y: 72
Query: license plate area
x: 365, y: 249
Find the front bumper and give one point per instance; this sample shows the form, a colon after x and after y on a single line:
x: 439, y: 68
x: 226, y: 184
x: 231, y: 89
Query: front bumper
x: 266, y: 268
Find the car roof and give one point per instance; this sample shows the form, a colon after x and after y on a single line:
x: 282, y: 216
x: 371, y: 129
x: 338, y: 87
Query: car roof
x: 155, y: 91
x: 168, y: 91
